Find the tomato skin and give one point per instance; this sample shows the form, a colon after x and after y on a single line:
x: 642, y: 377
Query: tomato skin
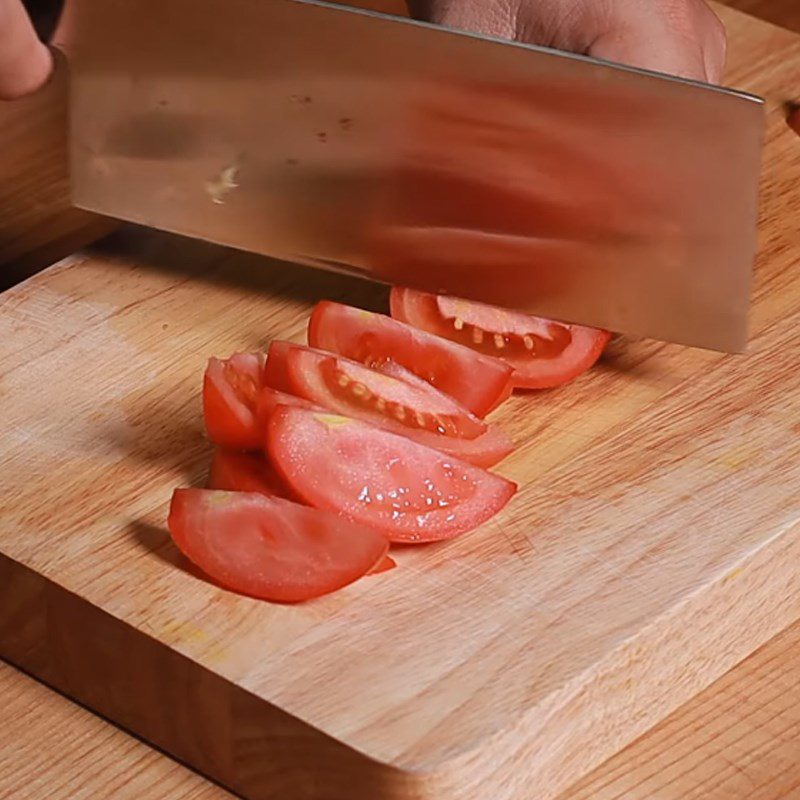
x: 409, y: 492
x: 486, y: 450
x: 387, y: 564
x: 271, y: 548
x: 230, y: 395
x: 473, y: 379
x: 352, y: 389
x: 270, y: 399
x: 566, y: 351
x: 233, y: 471
x: 275, y: 370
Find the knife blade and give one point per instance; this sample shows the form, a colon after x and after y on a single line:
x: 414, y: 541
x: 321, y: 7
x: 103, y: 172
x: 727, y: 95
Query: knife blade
x: 547, y: 182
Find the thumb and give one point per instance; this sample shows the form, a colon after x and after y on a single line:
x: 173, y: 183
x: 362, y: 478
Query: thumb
x: 25, y: 62
x: 680, y: 37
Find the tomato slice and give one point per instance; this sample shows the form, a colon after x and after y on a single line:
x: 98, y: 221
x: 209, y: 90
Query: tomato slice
x: 410, y: 492
x: 543, y: 353
x: 244, y: 472
x: 271, y: 548
x: 231, y: 389
x: 270, y: 399
x: 475, y: 380
x: 275, y: 370
x: 312, y: 375
x: 351, y: 389
x: 384, y: 566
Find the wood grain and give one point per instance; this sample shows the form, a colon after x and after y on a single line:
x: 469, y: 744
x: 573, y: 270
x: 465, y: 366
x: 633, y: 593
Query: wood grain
x: 52, y: 748
x: 780, y: 12
x: 655, y: 542
x: 738, y: 740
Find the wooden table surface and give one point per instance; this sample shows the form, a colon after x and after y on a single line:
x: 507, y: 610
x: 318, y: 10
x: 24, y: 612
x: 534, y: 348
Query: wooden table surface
x: 738, y: 739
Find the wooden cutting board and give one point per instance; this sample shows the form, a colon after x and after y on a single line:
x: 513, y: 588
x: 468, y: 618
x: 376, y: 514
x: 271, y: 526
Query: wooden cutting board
x: 655, y: 541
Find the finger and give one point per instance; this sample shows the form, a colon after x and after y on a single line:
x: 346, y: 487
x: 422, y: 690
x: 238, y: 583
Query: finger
x: 653, y: 50
x: 25, y: 62
x: 683, y: 38
x: 716, y: 47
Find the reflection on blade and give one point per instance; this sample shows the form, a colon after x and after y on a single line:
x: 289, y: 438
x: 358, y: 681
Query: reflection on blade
x: 548, y: 182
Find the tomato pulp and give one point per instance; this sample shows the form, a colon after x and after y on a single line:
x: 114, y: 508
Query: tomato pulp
x: 542, y: 353
x: 410, y: 492
x: 231, y: 389
x: 476, y: 380
x: 272, y: 548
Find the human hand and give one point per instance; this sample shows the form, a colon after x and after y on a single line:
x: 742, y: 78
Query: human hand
x: 679, y: 37
x: 25, y: 62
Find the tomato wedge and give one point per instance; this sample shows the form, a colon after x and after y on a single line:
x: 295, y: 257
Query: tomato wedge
x: 231, y: 390
x: 543, y: 353
x: 270, y: 399
x: 314, y: 377
x: 410, y: 492
x: 474, y: 379
x: 271, y: 548
x: 384, y: 566
x: 244, y: 472
x: 350, y: 388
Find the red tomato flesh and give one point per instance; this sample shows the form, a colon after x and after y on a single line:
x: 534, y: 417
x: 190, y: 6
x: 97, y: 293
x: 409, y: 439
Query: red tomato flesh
x: 543, y: 353
x: 475, y: 380
x: 350, y: 388
x: 384, y: 566
x: 271, y: 398
x: 244, y: 472
x: 271, y: 548
x: 410, y: 492
x: 485, y: 450
x: 231, y: 389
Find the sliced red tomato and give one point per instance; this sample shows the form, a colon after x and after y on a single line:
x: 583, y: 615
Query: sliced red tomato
x: 275, y: 371
x: 473, y: 379
x: 271, y: 548
x: 410, y: 492
x: 231, y: 390
x: 310, y: 373
x: 270, y: 399
x: 347, y: 387
x: 485, y: 451
x: 244, y: 472
x: 543, y: 353
x: 384, y: 566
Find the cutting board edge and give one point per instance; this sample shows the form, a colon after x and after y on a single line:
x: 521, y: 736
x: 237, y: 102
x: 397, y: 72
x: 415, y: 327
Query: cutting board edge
x: 68, y: 642
x: 95, y: 658
x: 640, y: 705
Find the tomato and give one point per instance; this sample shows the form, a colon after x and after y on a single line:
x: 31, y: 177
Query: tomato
x: 349, y: 388
x: 231, y: 389
x: 376, y: 396
x: 543, y: 353
x: 244, y: 472
x: 271, y: 548
x: 793, y: 119
x: 275, y: 372
x: 475, y: 380
x: 484, y: 451
x: 384, y: 566
x: 410, y: 492
x: 270, y: 399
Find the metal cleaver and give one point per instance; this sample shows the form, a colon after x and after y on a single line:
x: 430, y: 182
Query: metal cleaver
x: 350, y: 140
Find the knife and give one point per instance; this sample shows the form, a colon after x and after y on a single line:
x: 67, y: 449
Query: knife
x: 350, y: 140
